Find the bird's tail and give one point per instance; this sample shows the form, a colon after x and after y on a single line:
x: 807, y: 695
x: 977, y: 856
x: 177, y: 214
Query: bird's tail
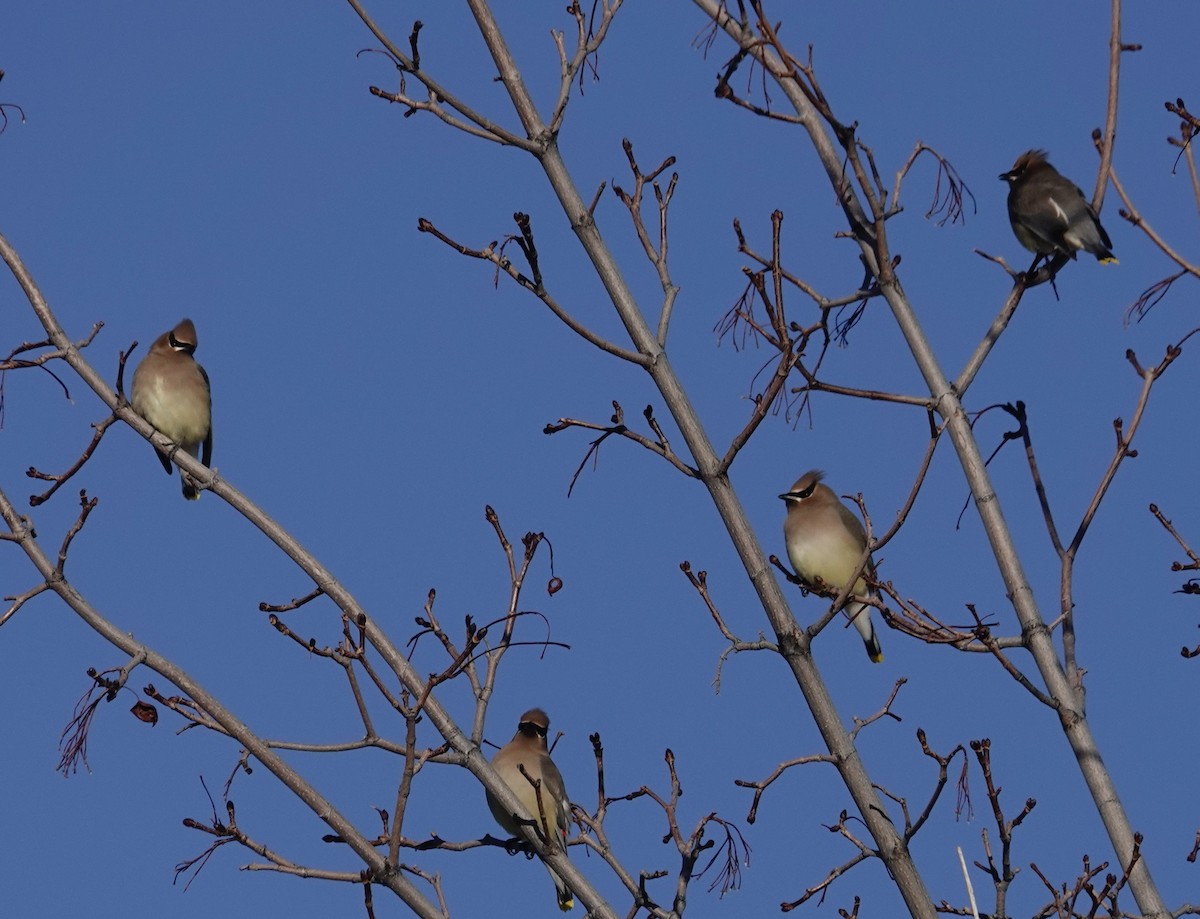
x: 860, y: 615
x: 874, y: 649
x: 566, y: 900
x: 190, y: 491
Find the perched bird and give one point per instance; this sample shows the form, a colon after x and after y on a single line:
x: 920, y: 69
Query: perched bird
x: 1049, y: 213
x: 171, y: 391
x: 528, y: 749
x: 824, y: 542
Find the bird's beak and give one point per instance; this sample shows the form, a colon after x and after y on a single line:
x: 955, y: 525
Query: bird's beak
x: 1007, y: 176
x: 785, y: 496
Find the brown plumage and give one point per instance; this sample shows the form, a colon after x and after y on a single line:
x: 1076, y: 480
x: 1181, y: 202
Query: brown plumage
x: 824, y: 542
x: 1049, y: 213
x: 171, y: 391
x: 528, y: 748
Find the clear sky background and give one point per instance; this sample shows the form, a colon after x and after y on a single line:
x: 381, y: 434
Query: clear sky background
x: 374, y: 391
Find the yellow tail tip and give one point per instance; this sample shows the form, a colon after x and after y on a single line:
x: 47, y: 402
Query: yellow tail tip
x: 1109, y: 261
x: 567, y: 903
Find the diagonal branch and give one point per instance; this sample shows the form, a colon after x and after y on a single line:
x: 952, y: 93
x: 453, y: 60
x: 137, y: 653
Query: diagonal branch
x: 660, y: 447
x: 1131, y: 214
x: 475, y: 123
x: 589, y: 37
x: 491, y: 254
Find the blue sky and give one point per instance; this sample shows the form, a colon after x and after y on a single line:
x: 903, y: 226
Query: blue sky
x: 374, y: 391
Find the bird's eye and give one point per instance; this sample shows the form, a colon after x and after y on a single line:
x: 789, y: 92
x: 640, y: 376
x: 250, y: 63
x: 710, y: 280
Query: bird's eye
x: 806, y: 492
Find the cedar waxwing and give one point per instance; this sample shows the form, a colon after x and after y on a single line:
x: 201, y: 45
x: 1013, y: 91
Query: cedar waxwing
x: 825, y: 541
x: 170, y: 390
x: 1049, y: 213
x: 528, y: 749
